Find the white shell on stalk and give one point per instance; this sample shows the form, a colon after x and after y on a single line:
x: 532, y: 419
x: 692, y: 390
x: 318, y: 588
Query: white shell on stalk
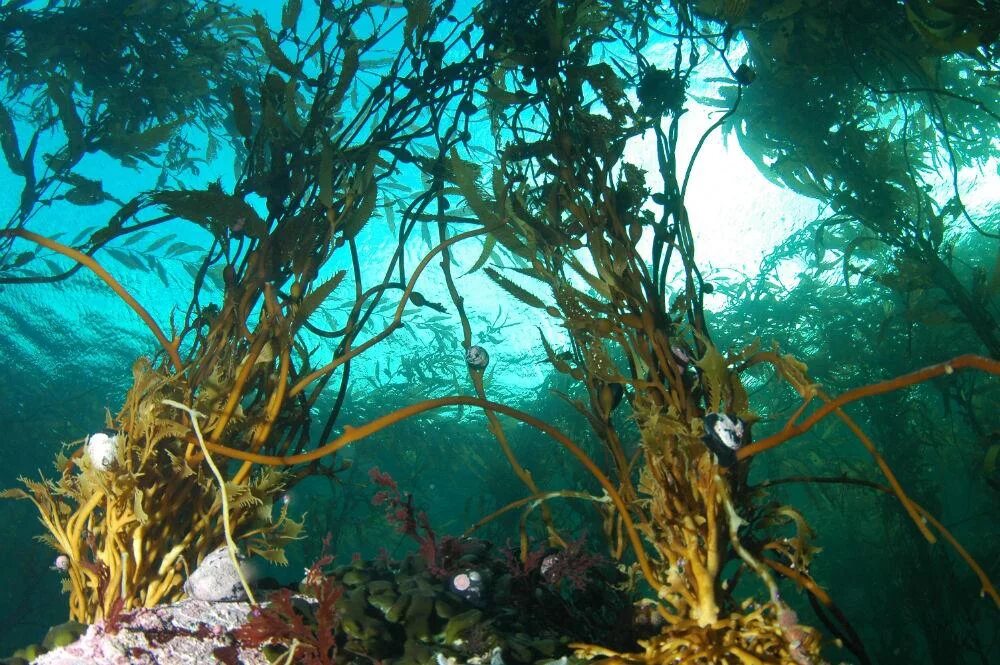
x: 61, y: 563
x: 102, y: 450
x: 724, y: 435
x: 477, y: 357
x: 729, y: 431
x: 469, y: 585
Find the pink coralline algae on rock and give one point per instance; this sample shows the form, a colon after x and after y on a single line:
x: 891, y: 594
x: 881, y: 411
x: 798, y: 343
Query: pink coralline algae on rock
x: 192, y: 631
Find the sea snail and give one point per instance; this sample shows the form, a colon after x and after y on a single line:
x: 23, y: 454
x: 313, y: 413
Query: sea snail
x: 477, y: 358
x: 102, y: 450
x: 470, y: 586
x: 724, y: 435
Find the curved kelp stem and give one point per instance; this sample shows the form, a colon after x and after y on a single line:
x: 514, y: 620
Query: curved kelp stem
x: 169, y: 347
x: 393, y: 325
x: 495, y: 428
x: 353, y: 434
x: 533, y: 501
x: 223, y: 497
x: 987, y: 585
x: 792, y: 429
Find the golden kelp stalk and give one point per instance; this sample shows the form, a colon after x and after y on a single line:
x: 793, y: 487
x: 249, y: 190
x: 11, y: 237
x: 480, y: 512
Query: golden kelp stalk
x: 130, y: 527
x: 602, y: 245
x: 564, y: 200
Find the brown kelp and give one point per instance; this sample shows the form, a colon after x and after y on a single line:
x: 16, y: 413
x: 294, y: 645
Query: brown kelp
x: 130, y: 527
x: 879, y: 137
x: 115, y: 77
x: 595, y: 243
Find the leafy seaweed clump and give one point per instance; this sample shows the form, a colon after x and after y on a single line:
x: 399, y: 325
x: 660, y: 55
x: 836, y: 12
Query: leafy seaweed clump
x: 310, y: 629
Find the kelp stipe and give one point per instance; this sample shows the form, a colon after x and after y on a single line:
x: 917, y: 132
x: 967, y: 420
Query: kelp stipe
x: 608, y: 259
x: 131, y: 530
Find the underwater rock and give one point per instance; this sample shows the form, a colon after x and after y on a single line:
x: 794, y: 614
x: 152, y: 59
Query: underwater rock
x: 216, y: 579
x: 191, y: 631
x: 404, y: 612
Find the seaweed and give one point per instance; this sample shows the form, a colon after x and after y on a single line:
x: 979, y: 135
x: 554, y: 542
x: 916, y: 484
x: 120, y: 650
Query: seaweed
x: 321, y: 137
x: 311, y: 630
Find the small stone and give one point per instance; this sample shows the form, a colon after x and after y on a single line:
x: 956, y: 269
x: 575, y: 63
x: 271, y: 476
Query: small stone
x: 216, y: 579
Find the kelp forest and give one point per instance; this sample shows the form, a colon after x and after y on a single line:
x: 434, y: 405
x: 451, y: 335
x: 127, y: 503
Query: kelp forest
x: 412, y: 294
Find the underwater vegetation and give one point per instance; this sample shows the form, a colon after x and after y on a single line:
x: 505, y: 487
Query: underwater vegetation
x: 373, y: 143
